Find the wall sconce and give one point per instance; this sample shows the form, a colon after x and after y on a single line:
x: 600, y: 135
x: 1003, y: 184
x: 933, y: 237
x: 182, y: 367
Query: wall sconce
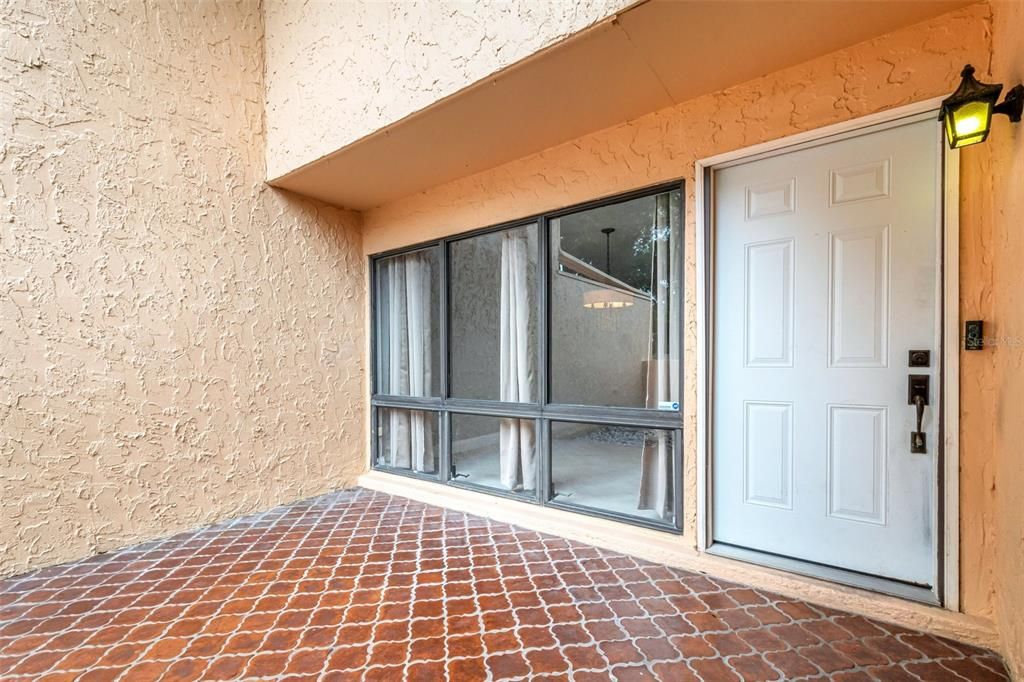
x: 967, y: 113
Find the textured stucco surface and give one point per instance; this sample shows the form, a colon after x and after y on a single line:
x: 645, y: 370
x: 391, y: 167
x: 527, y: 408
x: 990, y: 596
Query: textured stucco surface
x: 909, y: 65
x: 992, y: 381
x: 178, y: 343
x: 337, y: 71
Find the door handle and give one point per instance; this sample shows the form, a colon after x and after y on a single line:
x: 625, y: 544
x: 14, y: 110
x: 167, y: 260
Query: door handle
x: 917, y: 443
x: 917, y: 395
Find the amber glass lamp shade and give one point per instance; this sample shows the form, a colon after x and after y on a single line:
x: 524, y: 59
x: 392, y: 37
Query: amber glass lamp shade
x: 967, y: 113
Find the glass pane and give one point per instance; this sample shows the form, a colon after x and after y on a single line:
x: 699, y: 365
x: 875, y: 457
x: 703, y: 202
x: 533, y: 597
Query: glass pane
x: 408, y: 324
x: 616, y: 295
x: 494, y: 316
x: 614, y: 468
x: 407, y: 439
x: 495, y: 452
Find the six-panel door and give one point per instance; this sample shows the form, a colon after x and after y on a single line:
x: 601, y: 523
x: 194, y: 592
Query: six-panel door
x: 826, y: 275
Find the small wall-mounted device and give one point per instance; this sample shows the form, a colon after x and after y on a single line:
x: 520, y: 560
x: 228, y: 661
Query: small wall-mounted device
x: 974, y: 335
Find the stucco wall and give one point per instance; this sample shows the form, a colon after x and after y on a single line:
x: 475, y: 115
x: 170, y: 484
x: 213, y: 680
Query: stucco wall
x: 178, y: 343
x: 338, y: 71
x: 913, y: 64
x: 992, y: 392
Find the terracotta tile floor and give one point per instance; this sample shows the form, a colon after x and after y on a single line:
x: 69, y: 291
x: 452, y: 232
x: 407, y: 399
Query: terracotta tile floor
x: 361, y: 585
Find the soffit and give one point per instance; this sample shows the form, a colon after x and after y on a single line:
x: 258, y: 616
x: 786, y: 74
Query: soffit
x: 651, y: 56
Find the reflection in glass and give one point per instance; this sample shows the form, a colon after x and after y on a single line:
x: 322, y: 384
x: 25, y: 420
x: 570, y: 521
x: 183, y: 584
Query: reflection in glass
x: 494, y: 315
x: 495, y: 452
x: 407, y: 439
x: 408, y: 324
x: 616, y: 283
x: 619, y: 469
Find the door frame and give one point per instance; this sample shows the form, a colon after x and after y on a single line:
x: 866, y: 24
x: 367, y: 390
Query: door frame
x: 946, y: 590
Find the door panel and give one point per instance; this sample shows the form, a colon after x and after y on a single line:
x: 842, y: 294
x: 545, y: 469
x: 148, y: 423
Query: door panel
x: 825, y: 276
x: 859, y: 297
x: 768, y: 454
x: 768, y: 295
x: 857, y: 472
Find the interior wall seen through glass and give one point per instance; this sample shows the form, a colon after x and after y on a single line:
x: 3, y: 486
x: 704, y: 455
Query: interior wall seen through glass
x: 616, y: 300
x: 618, y: 469
x: 408, y: 324
x: 493, y: 310
x: 495, y: 452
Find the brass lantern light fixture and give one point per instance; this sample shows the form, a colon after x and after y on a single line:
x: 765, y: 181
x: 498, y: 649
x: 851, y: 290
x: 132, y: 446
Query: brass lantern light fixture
x: 967, y: 113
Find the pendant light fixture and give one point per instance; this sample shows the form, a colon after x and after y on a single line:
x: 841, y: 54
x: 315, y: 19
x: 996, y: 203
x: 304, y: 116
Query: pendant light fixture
x: 604, y: 296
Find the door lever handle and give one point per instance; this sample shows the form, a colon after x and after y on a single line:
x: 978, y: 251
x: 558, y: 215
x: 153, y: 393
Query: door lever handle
x: 917, y: 395
x: 917, y: 444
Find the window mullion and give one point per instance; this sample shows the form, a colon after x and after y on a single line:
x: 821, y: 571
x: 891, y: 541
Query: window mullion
x: 408, y: 402
x: 445, y: 455
x: 544, y: 467
x: 543, y: 284
x: 543, y: 370
x: 445, y: 325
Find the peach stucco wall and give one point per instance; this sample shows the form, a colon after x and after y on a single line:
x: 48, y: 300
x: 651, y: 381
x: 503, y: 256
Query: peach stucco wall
x: 992, y: 389
x: 337, y: 71
x: 913, y: 64
x: 178, y: 343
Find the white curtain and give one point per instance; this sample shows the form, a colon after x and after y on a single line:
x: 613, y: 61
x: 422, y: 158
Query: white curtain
x: 516, y: 436
x: 408, y: 280
x: 663, y: 386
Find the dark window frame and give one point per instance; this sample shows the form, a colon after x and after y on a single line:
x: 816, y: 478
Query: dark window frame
x: 542, y: 411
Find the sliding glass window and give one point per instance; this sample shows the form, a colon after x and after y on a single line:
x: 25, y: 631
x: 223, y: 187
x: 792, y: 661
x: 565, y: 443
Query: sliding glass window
x: 492, y: 305
x: 408, y: 440
x: 409, y: 323
x: 616, y: 285
x: 540, y: 360
x: 495, y: 452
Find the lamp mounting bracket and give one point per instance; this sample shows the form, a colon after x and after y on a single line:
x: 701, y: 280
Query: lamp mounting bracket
x: 1012, y: 105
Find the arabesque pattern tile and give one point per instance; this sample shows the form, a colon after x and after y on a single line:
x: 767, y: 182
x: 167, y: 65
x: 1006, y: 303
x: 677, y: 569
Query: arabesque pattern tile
x: 358, y: 585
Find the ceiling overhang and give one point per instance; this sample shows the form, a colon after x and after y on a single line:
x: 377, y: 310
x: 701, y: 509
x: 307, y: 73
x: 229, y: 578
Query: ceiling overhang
x: 648, y: 57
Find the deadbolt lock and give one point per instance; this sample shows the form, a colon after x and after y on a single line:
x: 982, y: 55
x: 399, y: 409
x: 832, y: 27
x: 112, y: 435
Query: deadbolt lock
x: 919, y: 358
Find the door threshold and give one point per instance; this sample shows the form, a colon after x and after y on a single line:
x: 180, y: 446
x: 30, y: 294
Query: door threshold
x: 894, y: 588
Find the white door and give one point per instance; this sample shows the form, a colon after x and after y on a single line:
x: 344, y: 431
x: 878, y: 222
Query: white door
x: 826, y: 276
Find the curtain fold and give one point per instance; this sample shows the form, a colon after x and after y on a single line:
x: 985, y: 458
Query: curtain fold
x: 517, y: 451
x: 656, y: 489
x: 408, y: 279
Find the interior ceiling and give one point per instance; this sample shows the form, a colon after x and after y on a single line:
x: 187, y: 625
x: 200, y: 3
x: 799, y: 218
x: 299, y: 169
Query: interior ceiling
x: 651, y: 56
x: 626, y: 253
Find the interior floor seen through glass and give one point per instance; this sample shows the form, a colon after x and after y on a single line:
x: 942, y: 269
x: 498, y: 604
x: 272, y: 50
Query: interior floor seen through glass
x: 495, y: 452
x: 617, y: 469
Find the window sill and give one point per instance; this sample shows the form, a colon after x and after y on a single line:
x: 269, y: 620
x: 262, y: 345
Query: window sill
x: 661, y: 545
